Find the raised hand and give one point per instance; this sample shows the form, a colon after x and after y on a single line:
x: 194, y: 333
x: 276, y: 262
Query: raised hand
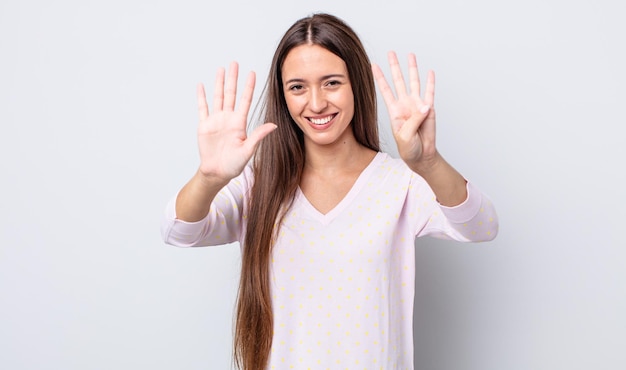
x: 412, y: 117
x: 225, y: 148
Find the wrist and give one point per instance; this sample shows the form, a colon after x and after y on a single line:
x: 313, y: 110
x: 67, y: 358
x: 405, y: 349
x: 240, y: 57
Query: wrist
x: 210, y: 182
x: 449, y: 186
x: 427, y: 165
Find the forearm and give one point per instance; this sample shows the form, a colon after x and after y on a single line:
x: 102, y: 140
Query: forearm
x: 449, y: 186
x: 194, y: 200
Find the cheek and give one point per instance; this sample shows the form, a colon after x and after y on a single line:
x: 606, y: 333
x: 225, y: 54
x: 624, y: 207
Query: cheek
x: 293, y: 105
x: 348, y: 103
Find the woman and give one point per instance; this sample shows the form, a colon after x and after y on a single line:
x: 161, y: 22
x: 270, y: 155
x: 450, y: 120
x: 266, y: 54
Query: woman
x: 327, y: 222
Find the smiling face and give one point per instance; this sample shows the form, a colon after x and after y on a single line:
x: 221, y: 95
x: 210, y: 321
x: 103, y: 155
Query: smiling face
x: 319, y: 95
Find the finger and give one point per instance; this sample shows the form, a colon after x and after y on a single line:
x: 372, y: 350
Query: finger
x: 414, y: 123
x: 396, y: 74
x: 428, y: 128
x: 218, y: 91
x: 429, y: 96
x: 203, y: 108
x: 383, y: 86
x: 246, y: 96
x: 230, y: 89
x: 414, y: 76
x: 257, y: 135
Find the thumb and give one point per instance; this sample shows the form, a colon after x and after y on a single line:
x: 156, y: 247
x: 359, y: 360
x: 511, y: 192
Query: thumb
x: 413, y: 123
x: 258, y: 134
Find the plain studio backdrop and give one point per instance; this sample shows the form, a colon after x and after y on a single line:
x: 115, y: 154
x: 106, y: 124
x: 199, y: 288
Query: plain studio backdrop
x: 98, y: 114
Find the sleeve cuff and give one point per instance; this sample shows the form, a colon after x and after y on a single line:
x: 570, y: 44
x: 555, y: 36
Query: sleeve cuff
x: 468, y: 209
x: 184, y: 230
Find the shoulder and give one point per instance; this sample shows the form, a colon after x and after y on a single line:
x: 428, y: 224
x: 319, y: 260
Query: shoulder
x: 385, y: 164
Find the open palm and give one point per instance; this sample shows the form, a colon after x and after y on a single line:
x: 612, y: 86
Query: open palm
x: 225, y: 148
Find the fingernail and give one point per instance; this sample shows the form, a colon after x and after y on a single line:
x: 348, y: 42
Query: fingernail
x: 425, y: 109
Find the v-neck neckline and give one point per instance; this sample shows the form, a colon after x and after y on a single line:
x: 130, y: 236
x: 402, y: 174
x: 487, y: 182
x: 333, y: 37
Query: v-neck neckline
x: 328, y: 217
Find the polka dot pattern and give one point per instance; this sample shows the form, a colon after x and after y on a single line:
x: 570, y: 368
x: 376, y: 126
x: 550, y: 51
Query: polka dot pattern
x: 343, y: 282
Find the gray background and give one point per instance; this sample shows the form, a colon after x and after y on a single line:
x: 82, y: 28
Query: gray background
x: 98, y: 114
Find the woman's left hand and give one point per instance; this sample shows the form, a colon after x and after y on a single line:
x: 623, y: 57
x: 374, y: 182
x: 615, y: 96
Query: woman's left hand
x: 412, y: 117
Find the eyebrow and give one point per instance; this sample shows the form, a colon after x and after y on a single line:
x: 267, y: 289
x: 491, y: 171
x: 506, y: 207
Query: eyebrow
x: 326, y: 77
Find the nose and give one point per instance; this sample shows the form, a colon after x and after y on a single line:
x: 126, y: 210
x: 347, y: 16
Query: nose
x: 317, y: 101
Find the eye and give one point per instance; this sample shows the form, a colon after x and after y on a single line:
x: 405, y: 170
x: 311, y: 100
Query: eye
x: 333, y: 83
x: 295, y: 88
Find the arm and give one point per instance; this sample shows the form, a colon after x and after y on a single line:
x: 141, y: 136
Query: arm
x: 413, y: 125
x: 224, y: 147
x: 468, y: 215
x: 473, y: 220
x: 222, y: 224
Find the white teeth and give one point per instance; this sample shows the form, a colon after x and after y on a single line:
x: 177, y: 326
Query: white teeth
x: 321, y: 121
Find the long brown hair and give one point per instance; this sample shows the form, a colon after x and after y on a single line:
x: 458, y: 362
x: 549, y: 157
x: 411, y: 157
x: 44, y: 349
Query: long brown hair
x: 277, y: 168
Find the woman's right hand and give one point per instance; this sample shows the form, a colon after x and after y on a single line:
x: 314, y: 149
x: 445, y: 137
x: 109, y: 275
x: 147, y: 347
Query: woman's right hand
x: 225, y: 148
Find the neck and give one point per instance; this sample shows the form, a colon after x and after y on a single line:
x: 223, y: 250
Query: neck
x: 344, y: 156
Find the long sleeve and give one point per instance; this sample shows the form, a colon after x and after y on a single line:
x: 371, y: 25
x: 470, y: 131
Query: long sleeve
x: 474, y: 220
x: 223, y: 224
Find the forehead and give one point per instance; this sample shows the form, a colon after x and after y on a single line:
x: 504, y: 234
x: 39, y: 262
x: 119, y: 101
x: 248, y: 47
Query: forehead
x: 311, y: 61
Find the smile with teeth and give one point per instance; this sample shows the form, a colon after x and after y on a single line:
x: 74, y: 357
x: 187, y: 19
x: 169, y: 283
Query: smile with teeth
x: 321, y: 121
